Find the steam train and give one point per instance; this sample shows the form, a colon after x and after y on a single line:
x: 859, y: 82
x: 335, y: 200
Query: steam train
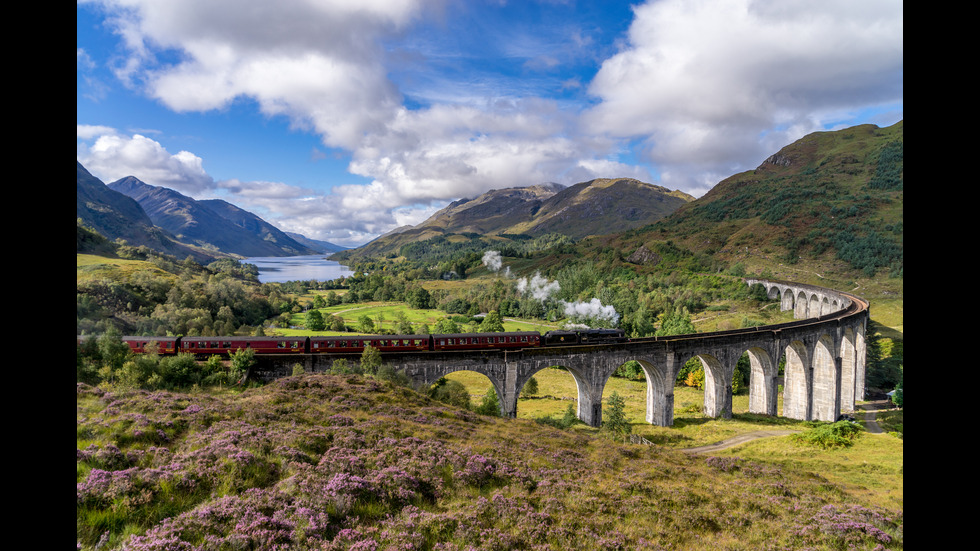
x: 207, y: 346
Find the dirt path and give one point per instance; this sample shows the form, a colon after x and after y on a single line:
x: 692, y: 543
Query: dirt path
x: 869, y: 408
x: 736, y: 440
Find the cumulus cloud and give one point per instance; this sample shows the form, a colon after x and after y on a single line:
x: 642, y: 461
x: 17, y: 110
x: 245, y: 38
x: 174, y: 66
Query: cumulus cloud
x: 704, y: 89
x: 713, y: 86
x: 113, y: 155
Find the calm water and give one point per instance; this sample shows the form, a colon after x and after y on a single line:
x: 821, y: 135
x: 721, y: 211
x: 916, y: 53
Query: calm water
x: 273, y: 269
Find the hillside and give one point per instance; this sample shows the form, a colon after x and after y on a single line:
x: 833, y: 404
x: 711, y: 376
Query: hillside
x: 213, y: 224
x: 830, y: 204
x: 595, y: 207
x: 345, y: 462
x: 114, y: 215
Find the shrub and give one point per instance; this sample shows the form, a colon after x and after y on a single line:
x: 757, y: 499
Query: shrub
x: 829, y: 435
x: 615, y: 422
x: 530, y: 388
x: 490, y: 404
x: 451, y: 392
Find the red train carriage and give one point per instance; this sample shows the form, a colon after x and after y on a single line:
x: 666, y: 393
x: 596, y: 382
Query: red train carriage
x: 483, y: 341
x: 226, y: 345
x: 165, y: 345
x: 356, y: 344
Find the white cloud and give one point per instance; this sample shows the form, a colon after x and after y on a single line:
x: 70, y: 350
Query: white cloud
x: 707, y: 88
x: 113, y: 156
x: 702, y: 81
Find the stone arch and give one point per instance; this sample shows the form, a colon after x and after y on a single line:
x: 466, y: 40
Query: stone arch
x: 787, y: 300
x: 860, y: 346
x: 660, y: 393
x: 796, y: 383
x: 826, y: 406
x: 772, y: 292
x: 763, y: 389
x: 576, y: 375
x: 589, y: 408
x: 497, y: 385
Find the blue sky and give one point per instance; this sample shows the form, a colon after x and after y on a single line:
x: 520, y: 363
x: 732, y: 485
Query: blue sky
x: 343, y: 119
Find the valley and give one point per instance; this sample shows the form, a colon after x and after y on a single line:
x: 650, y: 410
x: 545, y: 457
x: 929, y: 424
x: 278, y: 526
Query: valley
x: 176, y: 451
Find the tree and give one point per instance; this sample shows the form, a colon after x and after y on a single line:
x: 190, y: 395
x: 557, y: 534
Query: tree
x: 315, y: 321
x: 614, y: 421
x: 420, y: 299
x: 242, y: 361
x: 370, y: 360
x: 366, y: 324
x: 898, y: 398
x: 490, y: 404
x: 450, y: 392
x: 530, y: 388
x: 492, y: 323
x: 677, y: 322
x: 446, y: 326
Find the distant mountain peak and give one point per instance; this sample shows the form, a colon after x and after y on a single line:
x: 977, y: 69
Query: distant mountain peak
x: 600, y: 206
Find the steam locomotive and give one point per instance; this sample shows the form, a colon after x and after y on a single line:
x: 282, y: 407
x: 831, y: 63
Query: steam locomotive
x: 207, y: 346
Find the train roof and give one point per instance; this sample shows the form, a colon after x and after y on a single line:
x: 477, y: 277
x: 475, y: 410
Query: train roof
x: 500, y: 334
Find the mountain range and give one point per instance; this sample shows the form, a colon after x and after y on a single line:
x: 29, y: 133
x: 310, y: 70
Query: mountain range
x: 831, y: 199
x: 600, y: 206
x: 171, y: 222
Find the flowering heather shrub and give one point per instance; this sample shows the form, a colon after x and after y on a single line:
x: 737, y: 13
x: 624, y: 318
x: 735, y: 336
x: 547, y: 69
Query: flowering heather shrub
x: 341, y: 462
x: 850, y: 526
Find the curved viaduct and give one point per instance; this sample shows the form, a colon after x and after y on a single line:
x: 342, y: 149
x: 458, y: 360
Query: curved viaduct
x: 824, y: 369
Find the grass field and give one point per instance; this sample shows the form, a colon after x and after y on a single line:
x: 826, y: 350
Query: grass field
x: 873, y: 467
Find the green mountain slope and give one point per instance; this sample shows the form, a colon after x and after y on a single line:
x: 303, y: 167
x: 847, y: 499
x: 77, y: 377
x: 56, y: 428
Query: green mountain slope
x: 830, y: 202
x: 114, y: 215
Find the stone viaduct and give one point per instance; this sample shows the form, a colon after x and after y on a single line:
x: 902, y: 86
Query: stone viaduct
x: 824, y: 350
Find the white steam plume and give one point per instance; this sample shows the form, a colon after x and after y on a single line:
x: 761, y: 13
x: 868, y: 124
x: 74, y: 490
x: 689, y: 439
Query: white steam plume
x: 538, y: 287
x: 591, y: 310
x: 492, y: 260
